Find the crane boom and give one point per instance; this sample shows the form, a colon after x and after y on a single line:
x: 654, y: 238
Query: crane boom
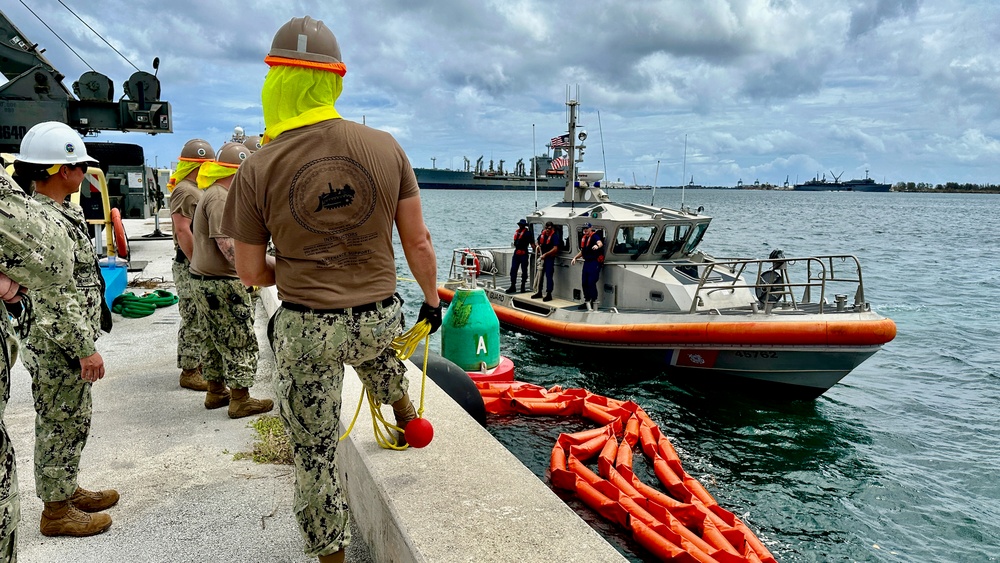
x: 34, y: 92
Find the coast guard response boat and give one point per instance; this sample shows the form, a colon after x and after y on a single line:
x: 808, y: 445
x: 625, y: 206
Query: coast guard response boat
x: 795, y: 325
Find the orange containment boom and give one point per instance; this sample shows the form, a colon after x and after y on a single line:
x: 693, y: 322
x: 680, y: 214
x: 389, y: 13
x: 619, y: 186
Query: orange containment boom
x: 685, y: 523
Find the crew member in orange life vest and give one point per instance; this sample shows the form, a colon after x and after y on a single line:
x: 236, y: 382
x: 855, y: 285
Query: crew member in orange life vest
x: 548, y: 246
x: 592, y: 250
x: 522, y: 241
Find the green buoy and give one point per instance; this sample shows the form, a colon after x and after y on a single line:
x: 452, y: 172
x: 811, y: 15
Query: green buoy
x: 470, y: 331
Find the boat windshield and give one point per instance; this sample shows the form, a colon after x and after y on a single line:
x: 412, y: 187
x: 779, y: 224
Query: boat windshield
x: 673, y: 240
x: 633, y: 240
x: 695, y: 239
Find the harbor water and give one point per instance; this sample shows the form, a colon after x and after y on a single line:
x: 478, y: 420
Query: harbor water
x: 898, y: 462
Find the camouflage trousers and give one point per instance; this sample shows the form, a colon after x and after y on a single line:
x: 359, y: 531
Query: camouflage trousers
x: 311, y: 350
x: 225, y: 325
x: 10, y: 504
x: 63, y: 411
x: 10, y: 501
x: 189, y: 348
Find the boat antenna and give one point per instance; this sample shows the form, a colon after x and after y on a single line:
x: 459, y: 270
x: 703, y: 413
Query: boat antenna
x: 534, y: 164
x: 601, y: 131
x: 655, y: 179
x: 684, y: 169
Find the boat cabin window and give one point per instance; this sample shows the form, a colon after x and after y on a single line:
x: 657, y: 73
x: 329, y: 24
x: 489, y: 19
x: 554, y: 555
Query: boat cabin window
x: 673, y: 240
x: 633, y: 240
x: 538, y: 229
x: 597, y: 230
x: 695, y: 239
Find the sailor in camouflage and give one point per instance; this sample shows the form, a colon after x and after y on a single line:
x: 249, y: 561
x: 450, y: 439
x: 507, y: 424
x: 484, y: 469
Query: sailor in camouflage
x: 184, y: 196
x: 327, y: 192
x: 33, y: 254
x: 59, y: 350
x: 224, y: 305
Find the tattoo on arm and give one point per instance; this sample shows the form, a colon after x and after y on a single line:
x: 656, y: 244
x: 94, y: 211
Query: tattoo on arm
x: 228, y: 249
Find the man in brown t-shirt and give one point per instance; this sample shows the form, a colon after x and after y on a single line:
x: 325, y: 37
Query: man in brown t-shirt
x: 225, y: 309
x: 327, y: 192
x: 184, y: 196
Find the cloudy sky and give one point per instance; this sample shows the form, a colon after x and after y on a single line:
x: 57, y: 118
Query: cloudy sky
x: 761, y: 89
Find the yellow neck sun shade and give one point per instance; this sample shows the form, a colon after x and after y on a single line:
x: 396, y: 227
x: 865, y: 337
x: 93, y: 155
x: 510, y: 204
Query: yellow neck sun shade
x: 213, y: 171
x: 298, y: 95
x: 184, y: 167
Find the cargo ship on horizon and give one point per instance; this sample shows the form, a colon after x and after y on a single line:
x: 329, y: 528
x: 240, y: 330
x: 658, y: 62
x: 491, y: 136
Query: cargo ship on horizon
x: 822, y: 185
x: 547, y: 173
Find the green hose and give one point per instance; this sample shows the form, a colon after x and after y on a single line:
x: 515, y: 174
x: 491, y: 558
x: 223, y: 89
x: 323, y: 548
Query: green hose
x: 130, y: 305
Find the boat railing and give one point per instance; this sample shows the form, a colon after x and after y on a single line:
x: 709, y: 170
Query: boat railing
x: 775, y: 284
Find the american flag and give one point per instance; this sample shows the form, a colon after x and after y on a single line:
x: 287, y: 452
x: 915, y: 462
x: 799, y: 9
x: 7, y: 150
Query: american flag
x: 558, y: 163
x: 557, y: 142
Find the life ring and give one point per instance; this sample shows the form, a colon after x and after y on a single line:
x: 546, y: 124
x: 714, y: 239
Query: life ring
x: 466, y: 254
x: 121, y: 240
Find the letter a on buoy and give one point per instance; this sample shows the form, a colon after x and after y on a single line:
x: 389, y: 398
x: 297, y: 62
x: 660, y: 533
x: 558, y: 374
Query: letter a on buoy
x: 481, y: 349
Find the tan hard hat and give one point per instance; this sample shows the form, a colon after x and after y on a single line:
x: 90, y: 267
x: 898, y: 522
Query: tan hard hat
x: 197, y: 150
x: 308, y: 41
x: 252, y: 143
x: 232, y: 153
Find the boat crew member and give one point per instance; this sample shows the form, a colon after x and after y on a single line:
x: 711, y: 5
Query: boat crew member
x: 59, y: 350
x: 328, y: 192
x: 546, y: 249
x: 522, y: 242
x: 184, y: 197
x: 592, y: 251
x: 224, y: 307
x: 34, y: 253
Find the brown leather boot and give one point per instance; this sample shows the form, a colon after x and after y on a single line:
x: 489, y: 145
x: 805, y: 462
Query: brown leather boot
x: 217, y: 395
x: 192, y: 379
x: 244, y: 405
x: 63, y: 519
x: 405, y: 412
x: 337, y: 557
x: 94, y: 501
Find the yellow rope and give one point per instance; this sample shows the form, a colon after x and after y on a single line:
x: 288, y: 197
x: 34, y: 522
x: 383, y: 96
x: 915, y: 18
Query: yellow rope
x: 404, y: 345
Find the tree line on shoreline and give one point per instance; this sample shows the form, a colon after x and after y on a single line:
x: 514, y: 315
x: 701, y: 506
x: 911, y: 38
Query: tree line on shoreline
x: 949, y: 187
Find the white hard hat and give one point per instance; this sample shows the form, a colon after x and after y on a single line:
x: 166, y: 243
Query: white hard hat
x: 52, y: 142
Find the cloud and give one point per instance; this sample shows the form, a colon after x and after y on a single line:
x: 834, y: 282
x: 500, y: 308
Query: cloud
x: 768, y: 88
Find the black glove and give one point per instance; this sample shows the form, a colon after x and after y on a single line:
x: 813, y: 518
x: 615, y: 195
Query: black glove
x: 431, y: 315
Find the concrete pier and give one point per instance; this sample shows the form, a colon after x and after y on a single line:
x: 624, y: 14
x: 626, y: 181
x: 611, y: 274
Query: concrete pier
x: 464, y: 498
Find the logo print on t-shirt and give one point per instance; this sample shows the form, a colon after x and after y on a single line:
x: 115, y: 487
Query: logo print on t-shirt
x: 336, y: 198
x: 319, y: 207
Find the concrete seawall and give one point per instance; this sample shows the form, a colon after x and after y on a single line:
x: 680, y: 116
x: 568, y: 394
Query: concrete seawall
x: 464, y: 498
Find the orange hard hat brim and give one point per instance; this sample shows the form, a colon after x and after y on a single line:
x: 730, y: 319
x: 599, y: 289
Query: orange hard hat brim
x: 338, y: 68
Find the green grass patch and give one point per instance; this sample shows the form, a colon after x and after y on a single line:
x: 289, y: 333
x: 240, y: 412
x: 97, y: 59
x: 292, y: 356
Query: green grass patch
x: 271, y: 445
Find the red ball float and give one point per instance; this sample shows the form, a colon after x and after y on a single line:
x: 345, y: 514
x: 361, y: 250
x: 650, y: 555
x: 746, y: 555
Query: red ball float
x: 419, y: 433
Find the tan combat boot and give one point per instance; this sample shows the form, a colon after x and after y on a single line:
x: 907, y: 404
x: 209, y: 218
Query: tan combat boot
x: 94, y: 501
x: 192, y: 379
x: 244, y: 405
x: 217, y: 395
x: 405, y: 412
x: 63, y: 519
x: 337, y: 557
